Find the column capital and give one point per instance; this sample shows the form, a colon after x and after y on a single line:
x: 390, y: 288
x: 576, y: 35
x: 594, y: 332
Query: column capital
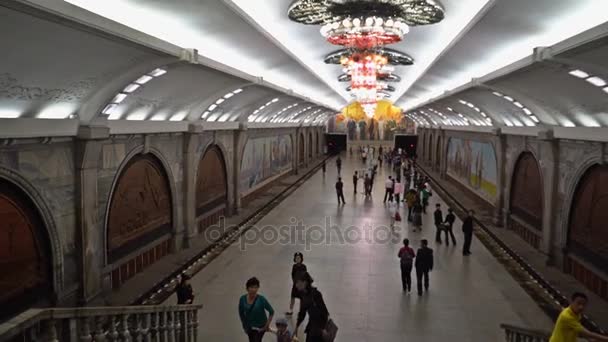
x: 93, y: 132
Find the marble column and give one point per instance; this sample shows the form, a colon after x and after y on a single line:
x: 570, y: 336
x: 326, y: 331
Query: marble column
x: 90, y: 230
x: 549, y: 160
x: 240, y: 139
x: 191, y: 141
x: 499, y: 145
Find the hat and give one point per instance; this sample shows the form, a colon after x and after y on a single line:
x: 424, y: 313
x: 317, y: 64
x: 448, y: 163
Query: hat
x: 282, y: 321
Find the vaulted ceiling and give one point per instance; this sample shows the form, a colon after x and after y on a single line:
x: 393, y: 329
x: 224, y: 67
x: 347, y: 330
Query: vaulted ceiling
x: 254, y: 64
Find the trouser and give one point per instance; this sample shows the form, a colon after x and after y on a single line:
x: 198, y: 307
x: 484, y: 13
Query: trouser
x: 406, y: 277
x: 449, y: 233
x: 397, y: 198
x: 355, y: 186
x: 255, y: 335
x: 341, y: 197
x: 468, y: 237
x: 439, y: 228
x: 425, y: 203
x: 409, y: 213
x: 420, y: 276
x: 314, y: 338
x: 388, y: 194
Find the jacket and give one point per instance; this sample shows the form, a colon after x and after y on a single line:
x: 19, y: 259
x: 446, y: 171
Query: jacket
x: 467, y: 225
x: 449, y: 219
x: 313, y: 304
x: 438, y: 217
x: 339, y: 186
x: 424, y: 259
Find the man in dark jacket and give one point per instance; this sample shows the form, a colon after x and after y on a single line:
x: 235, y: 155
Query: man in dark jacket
x: 467, y: 229
x: 355, y: 180
x: 424, y: 265
x: 438, y: 215
x: 312, y: 303
x: 448, y: 225
x: 184, y: 291
x: 339, y: 190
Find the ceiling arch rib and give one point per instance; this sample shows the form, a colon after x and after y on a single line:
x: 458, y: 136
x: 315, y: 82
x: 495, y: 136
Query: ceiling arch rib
x: 202, y: 110
x: 478, y: 116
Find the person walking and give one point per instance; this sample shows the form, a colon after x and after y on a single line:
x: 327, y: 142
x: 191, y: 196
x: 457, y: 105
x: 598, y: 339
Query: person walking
x: 367, y: 183
x: 313, y: 305
x: 339, y: 164
x: 323, y: 167
x: 184, y: 291
x: 448, y: 227
x: 339, y: 190
x: 297, y: 269
x: 380, y: 160
x: 410, y: 200
x: 406, y: 259
x: 355, y: 180
x: 467, y: 229
x: 424, y: 265
x: 438, y: 216
x: 388, y: 186
x: 568, y: 327
x: 426, y: 194
x: 398, y: 189
x: 252, y: 311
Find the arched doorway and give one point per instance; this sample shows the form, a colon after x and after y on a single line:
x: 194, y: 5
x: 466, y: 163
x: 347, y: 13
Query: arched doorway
x: 587, y: 232
x: 211, y: 188
x: 140, y: 218
x: 301, y: 152
x: 310, y: 146
x: 25, y: 253
x: 526, y: 202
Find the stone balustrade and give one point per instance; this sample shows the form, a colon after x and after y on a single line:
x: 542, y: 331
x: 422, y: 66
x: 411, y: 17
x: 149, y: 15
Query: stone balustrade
x: 517, y: 334
x: 88, y: 324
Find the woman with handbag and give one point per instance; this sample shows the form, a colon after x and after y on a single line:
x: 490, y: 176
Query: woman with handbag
x: 320, y: 327
x: 252, y: 311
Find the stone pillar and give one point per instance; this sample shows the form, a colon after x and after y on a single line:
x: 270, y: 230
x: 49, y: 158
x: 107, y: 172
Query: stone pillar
x: 240, y: 139
x: 296, y: 151
x: 191, y: 141
x: 499, y: 144
x: 443, y: 167
x: 89, y: 228
x: 549, y: 160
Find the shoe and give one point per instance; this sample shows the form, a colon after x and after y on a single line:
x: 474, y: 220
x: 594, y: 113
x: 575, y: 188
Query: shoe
x: 289, y: 313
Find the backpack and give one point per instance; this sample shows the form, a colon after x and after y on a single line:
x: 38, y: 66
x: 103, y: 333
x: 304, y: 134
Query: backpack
x: 407, y: 258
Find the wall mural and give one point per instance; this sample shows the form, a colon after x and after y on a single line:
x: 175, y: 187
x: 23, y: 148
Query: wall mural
x: 474, y: 165
x: 264, y: 158
x: 140, y: 209
x: 211, y: 185
x: 24, y: 260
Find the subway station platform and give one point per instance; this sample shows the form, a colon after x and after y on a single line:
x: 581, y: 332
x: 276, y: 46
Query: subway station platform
x: 469, y: 297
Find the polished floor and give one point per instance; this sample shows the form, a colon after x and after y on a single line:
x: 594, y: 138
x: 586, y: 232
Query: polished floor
x: 357, y: 271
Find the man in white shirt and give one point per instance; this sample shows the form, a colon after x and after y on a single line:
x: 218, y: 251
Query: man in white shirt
x: 389, y: 185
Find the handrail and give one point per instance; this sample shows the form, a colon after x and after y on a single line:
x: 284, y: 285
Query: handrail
x: 84, y: 320
x: 554, y: 293
x: 516, y: 334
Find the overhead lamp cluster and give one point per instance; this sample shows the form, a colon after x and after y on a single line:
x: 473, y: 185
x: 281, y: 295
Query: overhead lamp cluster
x: 219, y: 101
x: 292, y: 117
x: 486, y: 121
x: 254, y: 117
x: 462, y: 120
x: 595, y: 80
x: 364, y: 28
x: 533, y: 119
x: 110, y: 108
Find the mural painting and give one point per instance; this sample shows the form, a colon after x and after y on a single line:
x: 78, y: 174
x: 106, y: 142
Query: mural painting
x: 474, y: 165
x: 264, y: 158
x: 140, y: 209
x: 24, y: 256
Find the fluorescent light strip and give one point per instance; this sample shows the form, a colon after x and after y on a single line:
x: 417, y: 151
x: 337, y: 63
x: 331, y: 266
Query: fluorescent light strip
x: 579, y: 74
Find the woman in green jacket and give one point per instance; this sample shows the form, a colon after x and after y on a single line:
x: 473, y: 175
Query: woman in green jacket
x: 252, y: 311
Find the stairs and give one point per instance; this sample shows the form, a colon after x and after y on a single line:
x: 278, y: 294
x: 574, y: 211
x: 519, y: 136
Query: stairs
x: 517, y: 334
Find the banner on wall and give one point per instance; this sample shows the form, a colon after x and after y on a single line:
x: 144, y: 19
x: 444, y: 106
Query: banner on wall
x: 265, y: 158
x: 473, y: 163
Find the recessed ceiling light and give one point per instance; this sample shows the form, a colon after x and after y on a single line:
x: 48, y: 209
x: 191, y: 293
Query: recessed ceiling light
x: 119, y: 98
x: 605, y: 90
x: 508, y: 98
x: 518, y: 104
x: 596, y: 81
x: 508, y: 123
x: 144, y: 79
x: 527, y: 111
x: 497, y: 94
x: 470, y: 105
x: 219, y: 101
x: 158, y: 117
x: 579, y: 73
x: 275, y: 100
x: 212, y: 107
x: 237, y: 91
x: 229, y: 95
x: 534, y: 118
x: 158, y: 72
x: 9, y: 114
x: 131, y: 88
x: 109, y: 109
x: 179, y: 116
x: 205, y: 114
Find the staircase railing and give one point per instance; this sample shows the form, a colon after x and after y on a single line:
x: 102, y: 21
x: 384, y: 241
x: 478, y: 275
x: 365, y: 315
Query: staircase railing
x: 517, y: 334
x: 88, y: 324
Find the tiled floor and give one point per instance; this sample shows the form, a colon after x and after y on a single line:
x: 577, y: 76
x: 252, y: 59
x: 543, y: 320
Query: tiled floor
x: 468, y: 299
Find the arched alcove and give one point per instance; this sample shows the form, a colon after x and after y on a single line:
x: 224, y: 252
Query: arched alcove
x: 526, y: 200
x: 301, y: 152
x: 140, y: 218
x: 587, y: 231
x: 25, y: 252
x: 211, y: 188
